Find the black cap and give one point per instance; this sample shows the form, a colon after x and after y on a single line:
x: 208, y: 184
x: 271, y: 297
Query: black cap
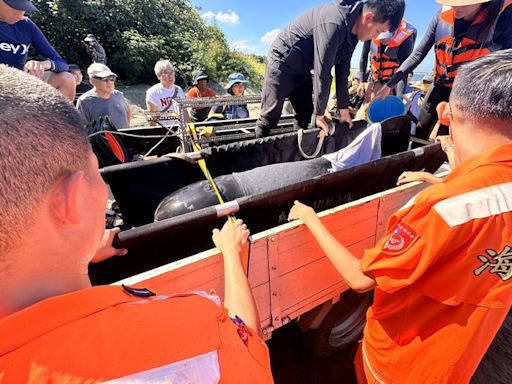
x: 199, y: 76
x: 74, y: 67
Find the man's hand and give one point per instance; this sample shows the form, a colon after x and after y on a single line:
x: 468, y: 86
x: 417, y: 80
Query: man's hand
x: 322, y: 124
x: 446, y: 143
x: 301, y: 211
x: 409, y: 177
x: 238, y: 298
x: 231, y: 238
x: 361, y: 89
x: 449, y: 148
x: 344, y: 117
x: 37, y: 68
x: 105, y: 249
x: 383, y: 92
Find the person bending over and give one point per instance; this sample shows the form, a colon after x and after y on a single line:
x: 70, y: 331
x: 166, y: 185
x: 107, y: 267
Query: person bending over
x: 321, y: 38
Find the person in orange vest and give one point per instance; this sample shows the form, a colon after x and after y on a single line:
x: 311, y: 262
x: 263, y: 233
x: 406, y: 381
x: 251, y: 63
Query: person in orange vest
x: 55, y: 327
x: 200, y: 89
x: 462, y: 31
x: 386, y: 52
x: 442, y: 274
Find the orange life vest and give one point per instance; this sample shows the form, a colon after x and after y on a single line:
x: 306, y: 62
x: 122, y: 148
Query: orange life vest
x: 106, y: 334
x: 384, y: 64
x: 451, y: 54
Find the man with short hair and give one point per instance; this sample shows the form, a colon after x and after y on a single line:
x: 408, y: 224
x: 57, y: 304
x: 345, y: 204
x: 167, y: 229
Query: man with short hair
x: 55, y: 327
x: 386, y: 52
x: 104, y: 100
x: 162, y: 97
x: 442, y: 273
x: 321, y: 38
x: 81, y: 85
x: 17, y: 34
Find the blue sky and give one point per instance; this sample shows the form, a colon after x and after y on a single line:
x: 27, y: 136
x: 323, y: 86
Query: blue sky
x: 246, y: 23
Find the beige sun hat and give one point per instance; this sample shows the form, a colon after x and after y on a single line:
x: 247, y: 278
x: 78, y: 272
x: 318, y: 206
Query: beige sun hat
x: 99, y: 70
x: 461, y: 3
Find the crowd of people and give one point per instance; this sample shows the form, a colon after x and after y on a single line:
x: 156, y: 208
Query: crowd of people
x: 96, y: 96
x: 440, y: 275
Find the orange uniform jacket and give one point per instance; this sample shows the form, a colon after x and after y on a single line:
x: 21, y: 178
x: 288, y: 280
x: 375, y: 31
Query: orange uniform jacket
x: 443, y: 274
x: 105, y: 334
x: 449, y: 56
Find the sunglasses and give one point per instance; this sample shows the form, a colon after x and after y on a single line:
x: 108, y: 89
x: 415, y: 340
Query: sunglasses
x: 107, y: 78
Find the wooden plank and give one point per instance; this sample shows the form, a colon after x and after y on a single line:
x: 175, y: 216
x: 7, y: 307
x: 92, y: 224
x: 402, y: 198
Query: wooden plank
x: 304, y: 277
x: 302, y: 284
x: 392, y: 203
x: 298, y: 247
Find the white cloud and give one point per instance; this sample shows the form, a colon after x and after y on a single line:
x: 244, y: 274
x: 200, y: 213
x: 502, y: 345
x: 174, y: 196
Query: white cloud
x: 208, y: 15
x: 269, y: 37
x: 243, y: 46
x: 228, y: 17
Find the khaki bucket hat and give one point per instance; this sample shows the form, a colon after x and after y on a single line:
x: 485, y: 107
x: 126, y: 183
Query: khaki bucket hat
x: 461, y: 3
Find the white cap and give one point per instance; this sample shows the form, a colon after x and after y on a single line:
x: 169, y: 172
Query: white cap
x: 99, y: 70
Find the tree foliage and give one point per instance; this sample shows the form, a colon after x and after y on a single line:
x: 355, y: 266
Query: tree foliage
x: 136, y: 33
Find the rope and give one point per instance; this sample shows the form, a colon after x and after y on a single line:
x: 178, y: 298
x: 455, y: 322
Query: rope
x: 134, y: 135
x: 300, y: 134
x: 202, y: 164
x: 148, y: 153
x: 204, y: 168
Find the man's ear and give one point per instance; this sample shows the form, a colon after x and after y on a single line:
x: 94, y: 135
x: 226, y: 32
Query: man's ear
x: 443, y: 113
x: 64, y: 198
x: 368, y: 18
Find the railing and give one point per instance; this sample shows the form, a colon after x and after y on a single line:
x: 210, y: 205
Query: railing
x: 203, y: 102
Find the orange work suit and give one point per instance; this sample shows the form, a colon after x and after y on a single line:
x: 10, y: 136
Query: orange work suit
x: 443, y: 274
x: 106, y: 334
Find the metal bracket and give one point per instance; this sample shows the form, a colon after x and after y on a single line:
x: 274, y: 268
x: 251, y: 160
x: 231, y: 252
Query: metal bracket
x: 202, y: 102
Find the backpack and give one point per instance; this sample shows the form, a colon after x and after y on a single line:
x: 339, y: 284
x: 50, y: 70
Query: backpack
x: 108, y: 146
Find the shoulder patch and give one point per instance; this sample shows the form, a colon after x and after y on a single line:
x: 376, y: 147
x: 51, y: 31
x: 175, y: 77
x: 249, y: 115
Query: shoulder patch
x: 401, y: 239
x: 138, y: 292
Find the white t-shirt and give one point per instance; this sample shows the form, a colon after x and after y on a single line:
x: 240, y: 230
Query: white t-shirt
x: 162, y: 97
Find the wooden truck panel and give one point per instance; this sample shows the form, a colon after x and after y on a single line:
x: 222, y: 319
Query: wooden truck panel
x: 289, y: 274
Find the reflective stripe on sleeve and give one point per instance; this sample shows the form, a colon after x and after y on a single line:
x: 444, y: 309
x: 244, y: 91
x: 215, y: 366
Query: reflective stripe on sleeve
x: 203, y: 369
x: 370, y: 368
x: 479, y: 204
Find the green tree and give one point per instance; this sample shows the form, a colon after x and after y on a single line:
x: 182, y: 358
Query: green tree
x: 136, y: 33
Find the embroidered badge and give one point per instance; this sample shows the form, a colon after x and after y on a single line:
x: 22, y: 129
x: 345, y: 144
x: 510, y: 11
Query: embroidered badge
x: 401, y: 239
x: 242, y: 329
x: 499, y: 263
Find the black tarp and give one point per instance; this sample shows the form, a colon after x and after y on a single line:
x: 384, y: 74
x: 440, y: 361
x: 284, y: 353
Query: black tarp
x: 139, y: 187
x: 160, y: 243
